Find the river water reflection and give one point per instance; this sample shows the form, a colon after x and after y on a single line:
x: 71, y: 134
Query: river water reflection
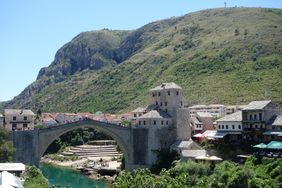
x: 68, y: 178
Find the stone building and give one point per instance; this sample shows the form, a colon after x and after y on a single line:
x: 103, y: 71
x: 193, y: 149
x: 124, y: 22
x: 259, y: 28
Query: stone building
x: 169, y: 98
x: 19, y: 119
x: 230, y: 126
x: 255, y: 118
x: 165, y: 119
x: 216, y: 110
x: 138, y: 112
x: 201, y: 122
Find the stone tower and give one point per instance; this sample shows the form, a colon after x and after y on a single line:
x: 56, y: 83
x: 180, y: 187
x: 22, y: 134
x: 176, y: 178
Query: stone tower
x: 169, y: 98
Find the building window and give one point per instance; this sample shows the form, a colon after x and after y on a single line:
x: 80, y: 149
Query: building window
x: 14, y: 126
x: 256, y: 126
x: 251, y: 116
x: 144, y: 122
x: 155, y: 122
x: 153, y: 94
x: 168, y: 92
x: 25, y: 118
x: 226, y: 126
x: 233, y: 126
x: 218, y: 126
x: 255, y: 117
x: 139, y: 122
x: 162, y: 122
x: 222, y: 127
x: 24, y: 125
x: 159, y: 93
x: 260, y: 116
x: 161, y: 104
x: 261, y: 126
x: 14, y: 118
x: 157, y: 103
x: 239, y: 126
x: 181, y: 103
x: 135, y: 115
x: 165, y: 103
x: 177, y: 92
x: 167, y: 122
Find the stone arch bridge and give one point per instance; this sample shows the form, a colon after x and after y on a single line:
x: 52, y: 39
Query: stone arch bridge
x: 31, y: 145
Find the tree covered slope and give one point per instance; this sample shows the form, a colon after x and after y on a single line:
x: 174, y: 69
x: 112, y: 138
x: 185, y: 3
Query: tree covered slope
x: 228, y: 56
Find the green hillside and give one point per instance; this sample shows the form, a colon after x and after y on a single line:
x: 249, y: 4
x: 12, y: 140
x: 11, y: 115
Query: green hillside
x: 228, y: 56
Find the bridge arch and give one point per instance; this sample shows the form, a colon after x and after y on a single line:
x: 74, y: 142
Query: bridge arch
x: 120, y: 134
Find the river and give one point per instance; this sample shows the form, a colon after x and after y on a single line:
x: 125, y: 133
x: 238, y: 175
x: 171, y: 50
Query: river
x: 67, y: 177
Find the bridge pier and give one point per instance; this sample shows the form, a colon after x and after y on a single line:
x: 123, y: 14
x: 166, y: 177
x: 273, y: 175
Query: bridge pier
x: 26, y: 144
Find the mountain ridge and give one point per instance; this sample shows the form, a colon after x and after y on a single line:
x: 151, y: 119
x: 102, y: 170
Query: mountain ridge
x: 236, y: 50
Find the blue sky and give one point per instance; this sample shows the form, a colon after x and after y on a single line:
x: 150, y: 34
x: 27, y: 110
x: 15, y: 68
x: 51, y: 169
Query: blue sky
x: 33, y: 30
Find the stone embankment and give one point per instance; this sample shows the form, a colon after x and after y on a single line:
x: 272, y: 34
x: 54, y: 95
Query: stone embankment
x: 93, y: 151
x: 101, y: 160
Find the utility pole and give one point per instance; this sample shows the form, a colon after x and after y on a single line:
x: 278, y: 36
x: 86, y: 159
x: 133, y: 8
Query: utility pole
x: 225, y: 4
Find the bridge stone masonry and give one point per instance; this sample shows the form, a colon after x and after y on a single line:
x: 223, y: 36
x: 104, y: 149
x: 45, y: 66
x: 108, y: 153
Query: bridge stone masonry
x: 164, y: 121
x: 31, y: 145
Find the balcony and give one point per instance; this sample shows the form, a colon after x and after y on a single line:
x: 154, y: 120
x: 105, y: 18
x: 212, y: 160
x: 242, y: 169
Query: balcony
x: 253, y: 121
x: 254, y: 129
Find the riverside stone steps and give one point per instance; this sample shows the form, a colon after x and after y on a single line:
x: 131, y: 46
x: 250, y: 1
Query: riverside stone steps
x: 94, y: 151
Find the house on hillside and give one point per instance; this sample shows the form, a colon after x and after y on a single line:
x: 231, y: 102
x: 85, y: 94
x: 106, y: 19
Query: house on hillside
x: 256, y: 117
x: 274, y: 129
x: 230, y: 127
x: 216, y: 110
x: 138, y: 112
x: 201, y: 122
x: 19, y: 119
x: 63, y: 118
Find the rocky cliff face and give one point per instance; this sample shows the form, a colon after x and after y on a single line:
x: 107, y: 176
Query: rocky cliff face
x: 88, y: 50
x: 226, y: 56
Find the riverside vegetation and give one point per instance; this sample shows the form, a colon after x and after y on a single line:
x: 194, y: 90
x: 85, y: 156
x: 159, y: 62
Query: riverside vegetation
x: 255, y: 173
x: 6, y: 146
x: 229, y: 56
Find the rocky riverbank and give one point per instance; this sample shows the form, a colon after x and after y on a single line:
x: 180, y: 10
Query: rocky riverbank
x: 100, y: 162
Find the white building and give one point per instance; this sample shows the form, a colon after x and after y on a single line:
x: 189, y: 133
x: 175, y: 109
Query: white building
x: 230, y: 125
x: 216, y: 110
x: 8, y: 180
x: 15, y: 168
x: 19, y: 119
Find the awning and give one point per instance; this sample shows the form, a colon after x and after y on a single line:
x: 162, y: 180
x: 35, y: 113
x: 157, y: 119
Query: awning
x: 209, y: 133
x: 273, y: 133
x: 208, y: 158
x: 274, y: 145
x: 212, y: 134
x: 261, y: 146
x: 199, y: 135
x: 220, y: 134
